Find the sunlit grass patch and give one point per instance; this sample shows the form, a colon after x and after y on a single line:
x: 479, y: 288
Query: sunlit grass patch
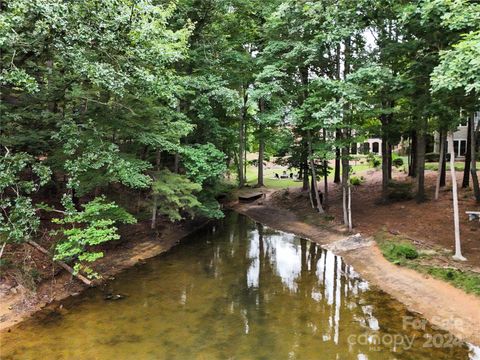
x: 403, y: 253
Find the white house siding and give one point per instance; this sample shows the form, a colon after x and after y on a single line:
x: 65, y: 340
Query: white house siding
x: 459, y: 138
x: 370, y: 145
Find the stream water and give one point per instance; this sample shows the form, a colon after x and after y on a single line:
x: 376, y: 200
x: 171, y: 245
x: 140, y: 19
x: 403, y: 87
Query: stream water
x: 235, y: 290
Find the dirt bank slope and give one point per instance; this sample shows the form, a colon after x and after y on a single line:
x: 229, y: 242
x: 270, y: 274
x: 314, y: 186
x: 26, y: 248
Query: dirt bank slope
x: 140, y: 243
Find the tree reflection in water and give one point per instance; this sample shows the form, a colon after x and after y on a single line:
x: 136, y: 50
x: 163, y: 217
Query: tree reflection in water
x: 236, y: 290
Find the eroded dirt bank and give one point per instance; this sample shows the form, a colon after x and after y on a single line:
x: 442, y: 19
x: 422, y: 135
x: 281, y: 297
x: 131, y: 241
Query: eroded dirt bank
x: 443, y: 305
x: 140, y: 243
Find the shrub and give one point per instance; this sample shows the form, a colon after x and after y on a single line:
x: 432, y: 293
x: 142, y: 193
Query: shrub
x: 83, y: 230
x: 397, y: 162
x: 398, y: 253
x: 373, y: 160
x: 356, y: 181
x: 432, y: 157
x: 399, y: 191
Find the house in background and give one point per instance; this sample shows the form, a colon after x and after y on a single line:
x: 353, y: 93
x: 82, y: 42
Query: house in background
x: 370, y: 145
x: 459, y: 138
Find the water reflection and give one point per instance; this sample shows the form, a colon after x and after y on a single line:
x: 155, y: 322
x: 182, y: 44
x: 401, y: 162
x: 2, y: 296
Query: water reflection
x: 238, y: 290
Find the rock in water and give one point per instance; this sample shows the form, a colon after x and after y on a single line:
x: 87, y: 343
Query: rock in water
x: 114, y: 297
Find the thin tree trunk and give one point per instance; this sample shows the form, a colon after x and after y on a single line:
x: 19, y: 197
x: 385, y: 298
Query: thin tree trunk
x: 385, y: 177
x: 389, y: 161
x: 261, y: 150
x: 473, y: 167
x: 456, y: 220
x: 421, y: 164
x: 336, y: 176
x: 61, y: 263
x: 443, y: 174
x: 235, y: 162
x: 468, y: 155
x: 261, y: 146
x: 309, y: 191
x: 412, y: 171
x: 176, y: 163
x: 389, y: 145
x: 3, y: 248
x: 245, y: 151
x: 153, y: 224
x: 312, y: 192
x: 314, y: 176
x: 325, y: 176
x: 440, y: 163
x: 241, y: 151
x: 338, y: 132
x: 345, y: 188
x: 349, y: 208
x: 344, y: 206
x: 346, y: 148
x: 305, y: 175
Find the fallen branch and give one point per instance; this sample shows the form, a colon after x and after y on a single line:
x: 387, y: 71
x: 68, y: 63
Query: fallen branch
x: 61, y: 263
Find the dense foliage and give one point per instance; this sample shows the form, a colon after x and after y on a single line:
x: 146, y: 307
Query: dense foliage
x: 155, y: 101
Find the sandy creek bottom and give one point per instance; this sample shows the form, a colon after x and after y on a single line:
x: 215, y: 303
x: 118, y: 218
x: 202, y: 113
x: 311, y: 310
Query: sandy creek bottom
x: 234, y: 290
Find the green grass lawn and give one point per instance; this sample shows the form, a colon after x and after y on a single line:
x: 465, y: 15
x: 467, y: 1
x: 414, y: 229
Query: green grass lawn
x: 459, y: 166
x: 359, y: 166
x: 269, y: 178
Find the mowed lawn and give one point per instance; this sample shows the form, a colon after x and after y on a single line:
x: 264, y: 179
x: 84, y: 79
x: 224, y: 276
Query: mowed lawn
x: 359, y: 166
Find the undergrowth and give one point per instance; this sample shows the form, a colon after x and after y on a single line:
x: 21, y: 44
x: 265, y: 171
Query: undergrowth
x: 403, y: 253
x: 466, y: 280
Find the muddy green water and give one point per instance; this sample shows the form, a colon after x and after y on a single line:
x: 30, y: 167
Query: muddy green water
x: 236, y: 290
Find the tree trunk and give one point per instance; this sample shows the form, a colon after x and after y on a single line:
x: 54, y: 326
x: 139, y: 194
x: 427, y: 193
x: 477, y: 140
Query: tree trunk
x: 176, y: 163
x: 312, y: 193
x: 261, y: 150
x: 261, y: 146
x: 420, y: 159
x: 456, y: 220
x: 336, y: 177
x: 349, y: 207
x: 468, y: 155
x: 473, y: 166
x: 245, y: 151
x: 389, y: 145
x: 61, y: 263
x: 347, y: 201
x: 345, y: 189
x: 309, y: 191
x: 305, y: 175
x: 412, y: 171
x: 153, y: 224
x: 241, y: 151
x: 385, y: 177
x: 440, y: 163
x: 325, y: 176
x: 314, y: 176
x: 389, y: 161
x: 443, y: 174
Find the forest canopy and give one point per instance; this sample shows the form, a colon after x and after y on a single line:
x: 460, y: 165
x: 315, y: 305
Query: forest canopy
x: 117, y: 111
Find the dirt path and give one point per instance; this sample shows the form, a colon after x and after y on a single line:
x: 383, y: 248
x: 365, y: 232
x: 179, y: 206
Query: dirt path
x: 142, y: 244
x: 441, y: 304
